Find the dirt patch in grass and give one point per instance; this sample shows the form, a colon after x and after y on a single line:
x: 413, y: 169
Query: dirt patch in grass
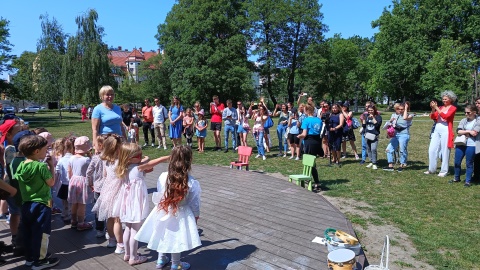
x: 402, y: 251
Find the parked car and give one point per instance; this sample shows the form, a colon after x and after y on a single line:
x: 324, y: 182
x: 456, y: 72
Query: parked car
x: 71, y: 108
x: 8, y: 109
x: 30, y: 109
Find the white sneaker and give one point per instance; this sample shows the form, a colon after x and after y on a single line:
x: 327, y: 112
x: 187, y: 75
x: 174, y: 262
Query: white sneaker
x: 374, y: 167
x: 257, y: 156
x: 159, y: 147
x: 145, y: 144
x: 369, y: 165
x: 284, y: 155
x: 236, y: 148
x: 111, y: 242
x: 264, y: 157
x: 297, y: 158
x: 164, y: 148
x: 107, y: 236
x: 290, y: 157
x: 442, y: 174
x: 119, y: 250
x: 153, y: 145
x: 100, y: 234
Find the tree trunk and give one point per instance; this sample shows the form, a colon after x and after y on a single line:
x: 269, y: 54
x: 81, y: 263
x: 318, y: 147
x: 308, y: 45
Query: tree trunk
x: 291, y: 76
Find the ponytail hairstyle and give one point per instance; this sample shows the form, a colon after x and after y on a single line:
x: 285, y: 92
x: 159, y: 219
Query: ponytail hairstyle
x: 127, y: 152
x: 176, y: 187
x: 69, y: 146
x: 111, y: 145
x: 101, y: 139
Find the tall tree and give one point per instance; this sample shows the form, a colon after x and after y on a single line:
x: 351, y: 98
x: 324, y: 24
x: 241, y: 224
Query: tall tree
x: 5, y: 46
x: 206, y: 50
x: 48, y: 64
x: 86, y: 66
x: 23, y: 81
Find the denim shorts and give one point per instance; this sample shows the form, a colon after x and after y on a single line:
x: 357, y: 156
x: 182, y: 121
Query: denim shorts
x: 13, y: 208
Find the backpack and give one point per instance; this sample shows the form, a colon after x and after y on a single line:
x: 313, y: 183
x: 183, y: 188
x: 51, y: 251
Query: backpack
x: 355, y: 123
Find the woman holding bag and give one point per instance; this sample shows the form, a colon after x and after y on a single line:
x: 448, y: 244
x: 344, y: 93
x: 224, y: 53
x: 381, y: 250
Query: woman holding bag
x: 466, y: 128
x: 371, y: 126
x: 281, y: 128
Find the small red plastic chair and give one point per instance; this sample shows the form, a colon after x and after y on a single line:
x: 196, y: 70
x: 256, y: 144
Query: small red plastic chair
x: 244, y: 153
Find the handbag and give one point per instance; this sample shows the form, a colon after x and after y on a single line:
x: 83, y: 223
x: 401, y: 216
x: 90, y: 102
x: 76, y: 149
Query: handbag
x: 460, y: 140
x: 355, y: 123
x: 370, y: 136
x: 268, y: 123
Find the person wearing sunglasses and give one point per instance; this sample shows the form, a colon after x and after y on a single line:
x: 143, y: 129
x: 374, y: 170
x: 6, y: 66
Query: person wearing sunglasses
x: 467, y: 127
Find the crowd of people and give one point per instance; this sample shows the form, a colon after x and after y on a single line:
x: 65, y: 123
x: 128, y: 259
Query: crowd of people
x: 109, y: 170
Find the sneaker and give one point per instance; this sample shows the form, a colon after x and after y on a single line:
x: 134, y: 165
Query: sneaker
x: 111, y: 242
x: 236, y: 148
x: 257, y: 156
x: 289, y: 152
x: 159, y: 147
x: 357, y: 157
x: 388, y: 169
x: 290, y: 157
x: 369, y: 165
x: 145, y: 144
x: 180, y: 266
x: 74, y: 225
x: 297, y: 158
x: 45, y: 263
x: 164, y: 148
x: 400, y: 169
x: 84, y: 226
x: 4, y: 216
x: 280, y: 154
x: 226, y: 151
x: 100, y: 234
x: 120, y: 249
x: 28, y: 263
x: 162, y: 262
x: 344, y: 156
x: 8, y: 219
x: 153, y: 145
x: 137, y: 260
x: 219, y: 149
x: 56, y: 211
x: 454, y: 181
x: 264, y: 157
x: 362, y: 162
x: 428, y: 172
x: 467, y: 185
x: 442, y: 174
x: 374, y: 167
x: 284, y: 155
x: 107, y: 236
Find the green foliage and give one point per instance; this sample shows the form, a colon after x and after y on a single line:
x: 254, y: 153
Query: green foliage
x: 47, y: 67
x: 206, y: 50
x: 86, y: 67
x: 5, y: 46
x: 417, y: 39
x: 23, y: 81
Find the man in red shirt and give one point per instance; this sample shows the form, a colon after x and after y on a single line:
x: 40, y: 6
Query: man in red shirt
x: 147, y: 114
x: 216, y: 109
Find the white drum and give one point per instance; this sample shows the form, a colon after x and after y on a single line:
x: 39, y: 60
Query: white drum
x: 341, y: 259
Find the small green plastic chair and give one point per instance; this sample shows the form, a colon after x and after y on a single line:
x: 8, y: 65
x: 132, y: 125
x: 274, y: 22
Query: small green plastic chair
x: 308, y: 163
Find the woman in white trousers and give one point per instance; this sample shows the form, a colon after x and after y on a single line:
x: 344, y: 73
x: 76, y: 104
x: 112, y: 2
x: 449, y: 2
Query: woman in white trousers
x: 442, y: 136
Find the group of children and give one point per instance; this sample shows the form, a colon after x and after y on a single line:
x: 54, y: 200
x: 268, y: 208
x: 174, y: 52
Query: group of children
x: 113, y: 178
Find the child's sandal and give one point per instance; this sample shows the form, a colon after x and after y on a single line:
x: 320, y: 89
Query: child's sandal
x: 161, y: 263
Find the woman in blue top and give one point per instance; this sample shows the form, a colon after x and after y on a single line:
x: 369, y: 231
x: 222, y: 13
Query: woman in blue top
x: 294, y: 126
x: 175, y: 114
x: 311, y: 127
x: 281, y: 128
x: 401, y: 121
x: 106, y: 116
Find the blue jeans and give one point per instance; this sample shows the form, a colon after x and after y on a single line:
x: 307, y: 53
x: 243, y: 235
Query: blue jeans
x: 228, y: 129
x: 36, y: 226
x: 460, y: 152
x: 364, y: 148
x: 259, y: 139
x: 282, y: 142
x: 400, y: 141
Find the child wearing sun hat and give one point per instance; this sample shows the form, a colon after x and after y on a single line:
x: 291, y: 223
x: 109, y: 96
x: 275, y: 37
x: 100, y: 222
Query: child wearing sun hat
x: 80, y: 191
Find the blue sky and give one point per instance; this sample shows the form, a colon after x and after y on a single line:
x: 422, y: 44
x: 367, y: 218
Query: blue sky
x: 134, y: 23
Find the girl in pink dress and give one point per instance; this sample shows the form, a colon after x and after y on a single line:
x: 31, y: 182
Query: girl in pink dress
x: 132, y: 204
x: 109, y: 193
x: 79, y: 190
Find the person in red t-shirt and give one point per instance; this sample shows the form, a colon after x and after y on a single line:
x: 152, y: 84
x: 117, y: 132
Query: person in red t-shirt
x: 147, y: 114
x: 216, y: 109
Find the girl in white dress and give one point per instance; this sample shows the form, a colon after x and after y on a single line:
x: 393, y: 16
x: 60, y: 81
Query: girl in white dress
x: 80, y: 192
x: 132, y: 206
x: 172, y: 226
x: 109, y: 193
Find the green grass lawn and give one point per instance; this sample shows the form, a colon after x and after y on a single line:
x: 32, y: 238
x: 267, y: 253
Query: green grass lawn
x: 441, y: 219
